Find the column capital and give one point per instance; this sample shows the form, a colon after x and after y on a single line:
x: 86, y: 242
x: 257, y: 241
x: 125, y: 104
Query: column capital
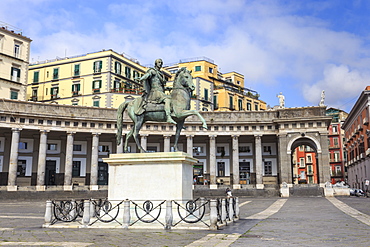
x: 212, y: 137
x: 189, y: 136
x: 71, y: 133
x: 167, y: 136
x: 258, y: 136
x: 44, y: 131
x: 144, y: 135
x: 235, y: 136
x: 16, y: 129
x: 96, y: 134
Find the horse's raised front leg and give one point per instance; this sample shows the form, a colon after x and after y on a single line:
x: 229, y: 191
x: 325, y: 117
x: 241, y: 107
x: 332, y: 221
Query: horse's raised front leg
x: 187, y: 113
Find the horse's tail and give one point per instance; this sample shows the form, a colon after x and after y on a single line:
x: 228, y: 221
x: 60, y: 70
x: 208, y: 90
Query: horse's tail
x: 121, y: 109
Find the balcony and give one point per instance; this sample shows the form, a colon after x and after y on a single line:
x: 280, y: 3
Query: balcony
x: 76, y: 93
x: 55, y: 96
x: 33, y: 98
x: 96, y: 90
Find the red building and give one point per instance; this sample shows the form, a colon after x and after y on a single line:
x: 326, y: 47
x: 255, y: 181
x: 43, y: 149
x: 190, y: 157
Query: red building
x: 304, y: 165
x: 336, y: 146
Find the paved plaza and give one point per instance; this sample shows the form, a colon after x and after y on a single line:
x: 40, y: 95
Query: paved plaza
x: 295, y: 221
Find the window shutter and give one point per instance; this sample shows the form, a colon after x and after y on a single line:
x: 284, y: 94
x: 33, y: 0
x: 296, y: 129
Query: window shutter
x: 78, y: 87
x: 93, y: 83
x: 100, y: 84
x: 51, y: 91
x: 100, y: 65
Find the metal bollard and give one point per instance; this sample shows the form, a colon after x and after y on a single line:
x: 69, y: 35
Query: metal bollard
x: 213, y: 214
x: 48, y: 213
x: 86, y: 214
x: 126, y: 214
x: 223, y: 210
x: 169, y: 215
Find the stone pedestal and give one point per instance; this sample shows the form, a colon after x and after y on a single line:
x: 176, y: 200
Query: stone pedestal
x: 150, y: 176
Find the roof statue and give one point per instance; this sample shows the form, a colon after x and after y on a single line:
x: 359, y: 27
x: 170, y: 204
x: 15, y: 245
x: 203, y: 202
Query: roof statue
x: 322, y: 101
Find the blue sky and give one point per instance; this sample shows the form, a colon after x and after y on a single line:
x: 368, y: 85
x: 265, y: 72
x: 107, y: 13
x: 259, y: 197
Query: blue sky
x: 297, y: 47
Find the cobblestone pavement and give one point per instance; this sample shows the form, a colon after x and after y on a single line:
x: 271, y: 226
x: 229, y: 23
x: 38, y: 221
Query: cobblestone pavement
x: 295, y: 221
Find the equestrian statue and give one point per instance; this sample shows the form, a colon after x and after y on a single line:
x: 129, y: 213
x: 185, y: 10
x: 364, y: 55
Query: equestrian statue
x: 155, y: 105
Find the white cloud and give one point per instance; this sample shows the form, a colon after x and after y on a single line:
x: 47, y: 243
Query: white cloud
x: 340, y: 84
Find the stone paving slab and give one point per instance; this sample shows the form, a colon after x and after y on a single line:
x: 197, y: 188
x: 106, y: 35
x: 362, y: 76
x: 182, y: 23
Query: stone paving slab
x: 310, y: 221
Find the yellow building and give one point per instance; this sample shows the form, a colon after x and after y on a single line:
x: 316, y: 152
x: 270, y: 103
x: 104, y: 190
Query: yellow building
x: 216, y: 91
x: 14, y: 59
x: 101, y: 79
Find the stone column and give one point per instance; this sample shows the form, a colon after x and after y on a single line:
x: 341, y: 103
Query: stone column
x: 94, y: 162
x: 167, y: 143
x: 189, y: 144
x: 13, y: 161
x: 144, y: 141
x: 236, y: 178
x: 41, y: 167
x: 323, y: 160
x: 120, y: 146
x: 284, y: 163
x: 68, y: 162
x: 212, y: 162
x: 259, y: 163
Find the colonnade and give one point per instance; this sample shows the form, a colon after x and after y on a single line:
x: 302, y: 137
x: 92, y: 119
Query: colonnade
x: 68, y: 166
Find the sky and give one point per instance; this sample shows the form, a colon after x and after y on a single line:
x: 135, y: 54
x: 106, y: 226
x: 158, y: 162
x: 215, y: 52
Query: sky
x: 296, y: 47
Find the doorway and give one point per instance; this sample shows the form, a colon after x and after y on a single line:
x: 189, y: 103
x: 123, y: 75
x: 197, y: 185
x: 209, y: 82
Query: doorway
x: 50, y: 172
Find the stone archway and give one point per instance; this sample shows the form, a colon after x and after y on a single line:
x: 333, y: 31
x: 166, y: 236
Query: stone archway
x: 304, y: 161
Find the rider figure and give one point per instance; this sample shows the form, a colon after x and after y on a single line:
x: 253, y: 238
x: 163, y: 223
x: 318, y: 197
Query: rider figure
x: 154, y: 86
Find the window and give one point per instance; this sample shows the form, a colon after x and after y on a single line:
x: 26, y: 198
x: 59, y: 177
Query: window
x: 240, y: 104
x: 128, y: 72
x: 76, y: 71
x: 97, y: 66
x: 77, y: 147
x: 301, y: 162
x: 23, y: 145
x: 104, y: 148
x: 210, y: 70
x: 231, y: 104
x: 96, y: 103
x: 52, y: 147
x: 21, y: 168
x: 336, y: 156
x: 75, y: 89
x: 13, y: 94
x: 117, y: 68
x: 54, y: 92
x: 206, y: 94
x: 309, y: 158
x: 249, y: 106
x: 244, y: 149
x: 335, y: 128
x: 117, y: 85
x: 198, y: 68
x: 267, y: 149
x: 256, y: 106
x: 15, y: 74
x: 55, y: 73
x: 36, y: 76
x: 309, y: 170
x: 17, y: 50
x: 96, y: 86
x: 76, y: 168
x: 221, y: 169
x: 268, y: 168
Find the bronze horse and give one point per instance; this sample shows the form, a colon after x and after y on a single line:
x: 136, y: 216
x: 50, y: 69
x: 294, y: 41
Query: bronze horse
x: 180, y: 103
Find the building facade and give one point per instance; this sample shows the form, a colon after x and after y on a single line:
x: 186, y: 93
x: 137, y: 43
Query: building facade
x: 216, y: 91
x: 336, y: 145
x: 44, y: 146
x: 14, y: 59
x: 357, y: 142
x: 100, y: 79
